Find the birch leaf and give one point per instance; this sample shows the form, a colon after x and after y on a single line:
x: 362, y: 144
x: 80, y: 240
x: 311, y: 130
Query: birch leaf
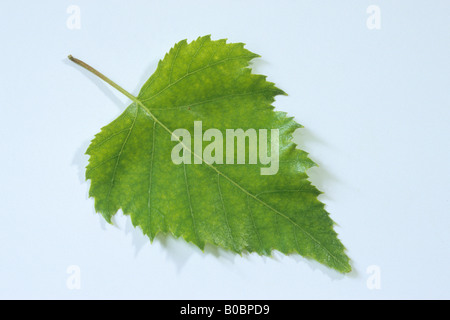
x: 233, y: 206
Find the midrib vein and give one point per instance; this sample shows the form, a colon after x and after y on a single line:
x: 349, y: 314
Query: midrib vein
x: 136, y: 100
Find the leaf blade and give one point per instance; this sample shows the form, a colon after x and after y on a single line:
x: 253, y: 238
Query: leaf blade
x: 210, y: 81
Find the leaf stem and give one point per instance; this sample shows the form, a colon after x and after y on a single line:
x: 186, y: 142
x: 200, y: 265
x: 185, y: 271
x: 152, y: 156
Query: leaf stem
x: 101, y: 76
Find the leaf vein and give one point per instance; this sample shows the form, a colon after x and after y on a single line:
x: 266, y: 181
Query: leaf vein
x: 230, y: 233
x: 194, y: 72
x: 149, y: 204
x: 195, y: 54
x: 190, y: 205
x: 120, y: 153
x: 195, y: 104
x: 254, y: 223
x: 173, y: 63
x: 110, y: 137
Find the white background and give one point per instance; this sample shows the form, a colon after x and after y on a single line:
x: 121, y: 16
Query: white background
x: 376, y: 109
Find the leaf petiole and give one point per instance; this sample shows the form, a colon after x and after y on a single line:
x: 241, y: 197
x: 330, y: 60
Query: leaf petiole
x: 102, y: 76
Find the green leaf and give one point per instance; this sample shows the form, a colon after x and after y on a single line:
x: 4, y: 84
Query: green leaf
x: 232, y: 206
